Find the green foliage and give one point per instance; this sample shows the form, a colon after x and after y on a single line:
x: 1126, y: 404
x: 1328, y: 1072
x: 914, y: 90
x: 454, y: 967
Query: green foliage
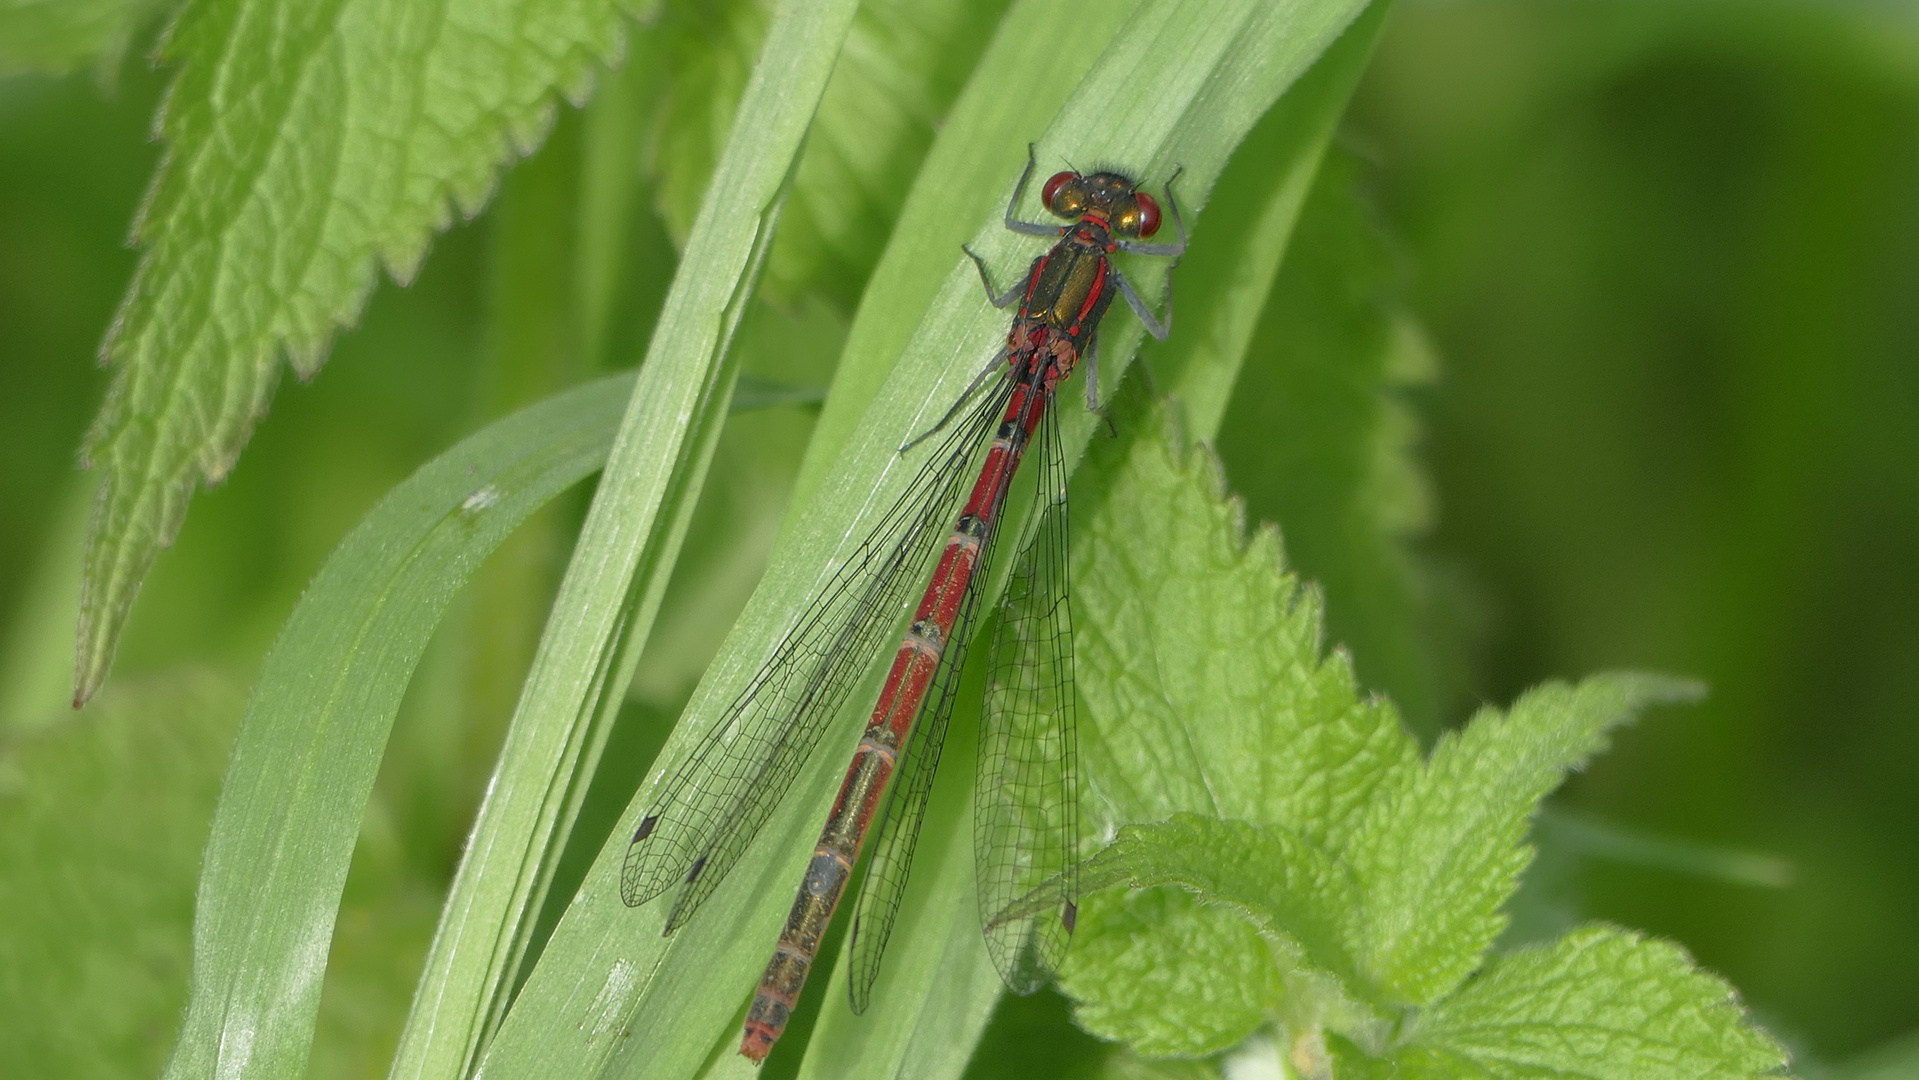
x: 1297, y: 810
x: 1303, y: 887
x: 302, y: 151
x: 1601, y: 1002
x: 1320, y: 435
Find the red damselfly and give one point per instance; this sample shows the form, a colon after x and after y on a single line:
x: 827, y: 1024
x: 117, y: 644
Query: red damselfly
x: 1025, y: 794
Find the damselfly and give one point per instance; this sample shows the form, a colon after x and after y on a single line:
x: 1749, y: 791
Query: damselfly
x: 1025, y: 795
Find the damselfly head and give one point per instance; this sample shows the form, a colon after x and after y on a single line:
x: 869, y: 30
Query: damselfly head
x: 1110, y: 197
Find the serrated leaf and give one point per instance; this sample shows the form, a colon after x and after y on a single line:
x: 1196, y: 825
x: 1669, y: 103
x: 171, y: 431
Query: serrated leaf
x: 1196, y: 983
x: 1318, y: 436
x: 306, y: 144
x: 1438, y: 857
x: 1184, y: 982
x: 1209, y: 693
x: 1208, y: 684
x: 1279, y: 882
x: 1599, y: 1004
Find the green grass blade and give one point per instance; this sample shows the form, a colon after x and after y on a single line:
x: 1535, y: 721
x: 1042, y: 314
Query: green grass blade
x: 612, y: 589
x: 310, y: 746
x: 307, y: 143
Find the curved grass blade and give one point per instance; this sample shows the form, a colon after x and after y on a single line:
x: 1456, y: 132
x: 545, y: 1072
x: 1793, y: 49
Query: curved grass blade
x: 307, y: 753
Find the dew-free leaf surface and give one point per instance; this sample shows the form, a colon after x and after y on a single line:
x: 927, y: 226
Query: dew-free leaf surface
x: 1599, y: 1004
x: 308, y: 145
x: 1366, y: 876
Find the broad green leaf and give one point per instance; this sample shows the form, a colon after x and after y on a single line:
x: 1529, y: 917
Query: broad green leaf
x: 102, y: 820
x: 1438, y: 856
x: 62, y: 35
x: 1184, y: 982
x: 622, y: 564
x: 605, y: 972
x: 1280, y: 883
x: 307, y: 753
x: 307, y: 144
x: 1208, y: 694
x: 1207, y: 683
x: 1599, y: 1004
x: 1432, y: 849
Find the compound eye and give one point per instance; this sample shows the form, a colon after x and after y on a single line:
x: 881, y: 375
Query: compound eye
x: 1148, y: 215
x: 1051, y: 190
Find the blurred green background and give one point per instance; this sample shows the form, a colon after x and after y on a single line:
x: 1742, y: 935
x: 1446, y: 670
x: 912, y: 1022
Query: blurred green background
x: 1663, y: 259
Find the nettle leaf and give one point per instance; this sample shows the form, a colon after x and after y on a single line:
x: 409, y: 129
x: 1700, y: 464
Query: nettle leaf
x: 1438, y: 858
x: 1208, y: 693
x: 1202, y: 659
x: 1280, y: 885
x: 1187, y: 981
x: 1599, y: 1004
x: 1279, y: 882
x: 1341, y: 851
x: 306, y: 144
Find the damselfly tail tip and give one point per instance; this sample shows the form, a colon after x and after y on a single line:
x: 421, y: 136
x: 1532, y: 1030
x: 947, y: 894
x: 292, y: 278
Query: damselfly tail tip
x: 756, y: 1044
x: 764, y: 1023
